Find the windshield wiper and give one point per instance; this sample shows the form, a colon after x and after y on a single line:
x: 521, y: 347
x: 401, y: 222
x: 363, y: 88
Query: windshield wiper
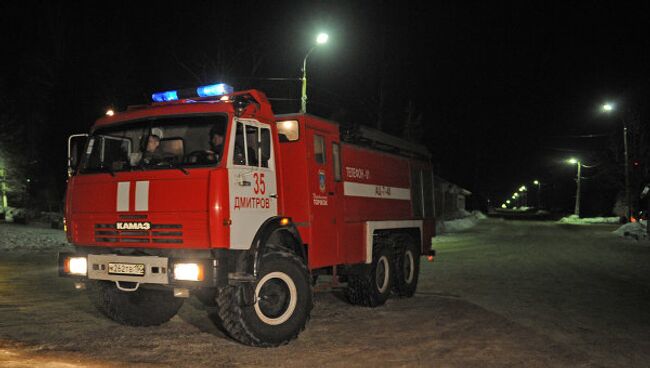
x: 108, y: 169
x: 176, y: 165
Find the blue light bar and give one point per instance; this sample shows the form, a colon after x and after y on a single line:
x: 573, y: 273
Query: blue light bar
x: 214, y: 90
x: 164, y: 96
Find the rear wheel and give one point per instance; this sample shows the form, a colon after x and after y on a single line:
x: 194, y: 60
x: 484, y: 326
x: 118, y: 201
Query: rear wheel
x: 143, y: 307
x: 372, y: 288
x: 407, y: 267
x: 280, y: 307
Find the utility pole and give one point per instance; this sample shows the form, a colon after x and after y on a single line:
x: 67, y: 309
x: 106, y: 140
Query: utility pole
x: 577, y: 207
x: 3, y: 187
x: 628, y: 198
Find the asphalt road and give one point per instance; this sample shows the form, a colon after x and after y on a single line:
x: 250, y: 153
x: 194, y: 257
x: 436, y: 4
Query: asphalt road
x: 505, y: 293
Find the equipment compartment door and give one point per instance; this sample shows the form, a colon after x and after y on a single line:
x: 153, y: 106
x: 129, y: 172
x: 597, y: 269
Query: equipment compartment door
x: 251, y: 175
x: 323, y: 199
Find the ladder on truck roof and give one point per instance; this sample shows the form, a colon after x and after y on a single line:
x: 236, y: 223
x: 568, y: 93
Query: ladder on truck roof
x: 364, y: 136
x: 377, y: 139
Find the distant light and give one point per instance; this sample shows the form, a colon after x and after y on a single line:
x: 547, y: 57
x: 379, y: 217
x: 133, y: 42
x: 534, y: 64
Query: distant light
x: 516, y: 195
x: 214, y: 90
x: 536, y: 182
x: 608, y: 107
x: 503, y: 206
x: 224, y: 98
x: 110, y: 112
x: 572, y: 161
x: 165, y: 96
x: 28, y: 180
x: 322, y: 38
x: 522, y: 188
x: 508, y: 201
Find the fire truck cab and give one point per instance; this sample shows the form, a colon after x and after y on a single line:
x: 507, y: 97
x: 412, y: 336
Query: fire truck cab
x: 206, y: 192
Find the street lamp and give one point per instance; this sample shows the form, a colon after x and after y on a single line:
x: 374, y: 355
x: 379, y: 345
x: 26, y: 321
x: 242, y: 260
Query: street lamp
x: 524, y: 195
x: 575, y: 161
x: 539, y: 189
x: 320, y: 40
x: 607, y: 108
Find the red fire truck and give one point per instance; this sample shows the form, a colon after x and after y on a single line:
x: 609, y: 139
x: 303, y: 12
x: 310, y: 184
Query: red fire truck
x: 206, y: 192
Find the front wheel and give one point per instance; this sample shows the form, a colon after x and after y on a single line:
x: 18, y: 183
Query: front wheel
x: 281, y: 305
x: 143, y: 307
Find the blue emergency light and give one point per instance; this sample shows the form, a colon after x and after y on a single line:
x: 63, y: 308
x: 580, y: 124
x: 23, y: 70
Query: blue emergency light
x: 210, y: 90
x: 214, y: 90
x: 165, y: 96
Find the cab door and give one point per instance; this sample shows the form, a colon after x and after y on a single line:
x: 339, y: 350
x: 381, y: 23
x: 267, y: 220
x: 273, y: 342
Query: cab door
x: 252, y: 180
x: 324, y: 250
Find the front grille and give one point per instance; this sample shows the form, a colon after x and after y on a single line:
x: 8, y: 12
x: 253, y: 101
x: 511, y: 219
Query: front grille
x: 159, y: 233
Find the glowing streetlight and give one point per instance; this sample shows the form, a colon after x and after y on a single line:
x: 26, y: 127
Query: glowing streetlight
x: 503, y: 206
x: 110, y: 112
x: 508, y: 201
x: 539, y: 190
x: 321, y: 39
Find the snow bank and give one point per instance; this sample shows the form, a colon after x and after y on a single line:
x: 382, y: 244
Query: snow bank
x: 633, y: 230
x: 18, y: 238
x: 461, y: 224
x: 575, y: 220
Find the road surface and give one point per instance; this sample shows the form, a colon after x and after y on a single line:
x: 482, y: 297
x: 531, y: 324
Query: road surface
x: 505, y: 293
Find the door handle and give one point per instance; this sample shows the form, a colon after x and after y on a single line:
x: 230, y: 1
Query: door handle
x: 273, y: 195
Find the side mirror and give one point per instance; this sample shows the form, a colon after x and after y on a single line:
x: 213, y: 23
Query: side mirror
x: 76, y: 144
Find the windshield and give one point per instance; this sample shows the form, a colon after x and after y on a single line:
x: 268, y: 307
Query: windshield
x: 160, y: 143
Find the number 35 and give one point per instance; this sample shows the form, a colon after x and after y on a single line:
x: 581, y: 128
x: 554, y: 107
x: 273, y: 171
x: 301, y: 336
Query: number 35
x: 260, y: 185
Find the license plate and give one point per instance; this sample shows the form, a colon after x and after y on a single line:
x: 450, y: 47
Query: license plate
x: 136, y: 269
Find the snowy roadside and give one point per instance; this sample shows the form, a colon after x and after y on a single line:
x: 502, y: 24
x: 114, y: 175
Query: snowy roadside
x: 576, y: 220
x: 632, y: 230
x: 461, y: 224
x: 30, y: 238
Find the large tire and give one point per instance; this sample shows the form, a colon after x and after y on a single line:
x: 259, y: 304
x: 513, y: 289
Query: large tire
x: 143, y: 307
x: 372, y: 288
x: 407, y: 266
x: 280, y: 307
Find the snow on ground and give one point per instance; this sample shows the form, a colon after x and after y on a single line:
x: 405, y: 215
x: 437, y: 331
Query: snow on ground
x: 467, y: 222
x: 575, y: 220
x: 33, y: 237
x: 633, y: 230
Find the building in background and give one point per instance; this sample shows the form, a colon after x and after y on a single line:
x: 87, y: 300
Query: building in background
x: 450, y: 200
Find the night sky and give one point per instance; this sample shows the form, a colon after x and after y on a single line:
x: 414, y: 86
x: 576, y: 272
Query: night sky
x: 502, y: 89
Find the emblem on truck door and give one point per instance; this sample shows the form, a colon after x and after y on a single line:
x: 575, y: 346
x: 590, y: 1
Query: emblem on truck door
x: 321, y: 180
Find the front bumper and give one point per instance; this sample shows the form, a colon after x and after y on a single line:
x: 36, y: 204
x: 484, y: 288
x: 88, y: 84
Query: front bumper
x: 155, y: 270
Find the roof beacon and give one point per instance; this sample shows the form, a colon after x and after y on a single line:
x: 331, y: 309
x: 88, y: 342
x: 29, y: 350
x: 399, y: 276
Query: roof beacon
x: 165, y: 96
x: 214, y: 90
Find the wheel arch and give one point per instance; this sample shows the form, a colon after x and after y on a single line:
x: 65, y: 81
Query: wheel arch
x: 268, y: 228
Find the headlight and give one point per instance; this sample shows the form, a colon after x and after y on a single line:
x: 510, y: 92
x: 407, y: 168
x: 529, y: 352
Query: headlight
x: 75, y: 266
x: 188, y: 271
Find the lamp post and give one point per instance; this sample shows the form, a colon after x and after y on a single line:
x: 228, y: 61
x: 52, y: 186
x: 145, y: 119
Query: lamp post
x: 539, y: 190
x: 3, y: 188
x: 320, y: 39
x: 608, y: 108
x: 575, y: 161
x: 524, y: 194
